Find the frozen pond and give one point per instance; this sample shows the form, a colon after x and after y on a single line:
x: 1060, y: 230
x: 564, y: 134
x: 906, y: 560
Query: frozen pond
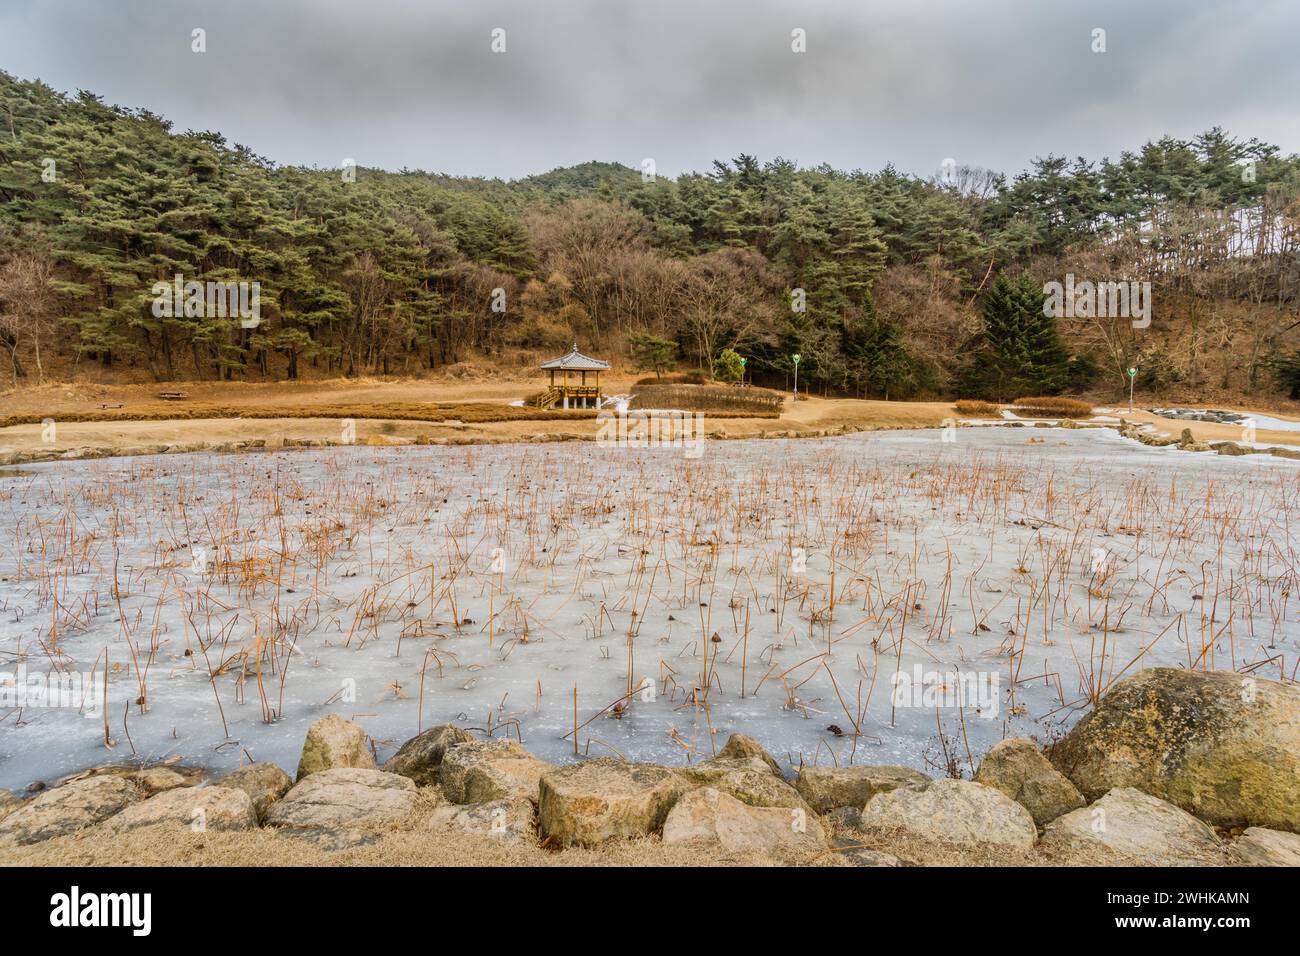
x: 771, y: 587
x: 1275, y: 424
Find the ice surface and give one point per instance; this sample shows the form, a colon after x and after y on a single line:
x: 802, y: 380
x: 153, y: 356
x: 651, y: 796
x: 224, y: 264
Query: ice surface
x: 1076, y: 549
x: 1268, y: 422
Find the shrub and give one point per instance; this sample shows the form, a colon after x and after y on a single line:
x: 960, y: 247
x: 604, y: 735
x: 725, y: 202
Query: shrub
x: 974, y: 406
x: 1053, y: 406
x: 729, y: 366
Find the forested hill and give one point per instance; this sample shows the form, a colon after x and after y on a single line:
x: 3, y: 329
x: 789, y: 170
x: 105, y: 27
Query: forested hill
x: 363, y: 271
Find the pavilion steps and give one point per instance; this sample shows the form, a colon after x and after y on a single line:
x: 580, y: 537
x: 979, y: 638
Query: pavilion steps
x: 548, y: 399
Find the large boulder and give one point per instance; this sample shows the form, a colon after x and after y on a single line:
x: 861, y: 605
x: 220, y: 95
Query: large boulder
x: 1018, y: 768
x: 264, y: 783
x: 331, y: 743
x: 738, y: 745
x: 509, y: 822
x: 586, y: 803
x: 345, y: 799
x: 829, y: 788
x: 199, y: 808
x: 420, y: 758
x: 483, y: 771
x: 711, y: 818
x: 1135, y: 827
x: 67, y: 809
x: 716, y: 767
x: 1223, y: 746
x: 749, y: 779
x: 952, y: 811
x: 148, y: 780
x: 1262, y: 847
x: 152, y: 781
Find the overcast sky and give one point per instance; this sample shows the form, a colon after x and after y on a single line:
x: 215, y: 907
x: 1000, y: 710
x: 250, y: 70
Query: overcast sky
x: 414, y: 83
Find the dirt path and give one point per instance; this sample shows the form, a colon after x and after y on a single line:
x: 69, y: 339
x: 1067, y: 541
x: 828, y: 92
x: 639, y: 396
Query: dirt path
x: 808, y: 416
x: 1212, y: 431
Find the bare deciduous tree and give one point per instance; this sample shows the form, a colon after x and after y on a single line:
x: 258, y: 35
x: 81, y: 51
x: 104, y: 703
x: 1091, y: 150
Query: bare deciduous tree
x: 27, y: 305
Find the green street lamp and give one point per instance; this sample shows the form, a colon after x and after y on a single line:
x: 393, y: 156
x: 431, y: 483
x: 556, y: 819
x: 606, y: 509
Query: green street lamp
x: 795, y: 359
x: 1132, y: 376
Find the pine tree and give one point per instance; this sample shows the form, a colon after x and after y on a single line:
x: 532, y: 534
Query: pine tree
x: 1019, y: 351
x: 649, y: 352
x: 389, y: 271
x: 878, y: 362
x: 728, y: 367
x: 1049, y: 360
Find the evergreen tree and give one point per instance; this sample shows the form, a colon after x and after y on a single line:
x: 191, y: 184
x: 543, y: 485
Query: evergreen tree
x: 653, y: 353
x: 383, y: 272
x: 878, y: 362
x: 728, y: 367
x: 1019, y: 351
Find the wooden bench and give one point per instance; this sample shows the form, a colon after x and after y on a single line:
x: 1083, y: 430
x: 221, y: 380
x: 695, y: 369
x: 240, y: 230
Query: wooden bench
x: 110, y: 404
x: 172, y: 396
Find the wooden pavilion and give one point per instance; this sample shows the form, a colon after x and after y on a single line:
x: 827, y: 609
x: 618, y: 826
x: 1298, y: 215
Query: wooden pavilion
x: 573, y: 390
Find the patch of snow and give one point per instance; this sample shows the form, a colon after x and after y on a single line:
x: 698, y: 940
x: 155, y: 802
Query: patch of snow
x: 1269, y: 423
x: 1010, y: 415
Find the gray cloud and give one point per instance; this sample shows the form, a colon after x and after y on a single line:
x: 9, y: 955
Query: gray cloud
x: 403, y: 83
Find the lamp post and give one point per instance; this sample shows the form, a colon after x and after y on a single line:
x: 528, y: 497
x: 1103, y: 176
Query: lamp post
x: 743, y: 362
x: 795, y: 359
x: 1132, y: 375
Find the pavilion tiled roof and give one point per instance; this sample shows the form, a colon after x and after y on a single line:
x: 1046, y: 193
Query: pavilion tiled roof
x: 576, y: 361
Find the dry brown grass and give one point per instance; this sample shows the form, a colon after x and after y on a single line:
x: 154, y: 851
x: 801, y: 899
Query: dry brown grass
x: 693, y: 377
x: 754, y: 402
x: 973, y: 406
x: 806, y: 418
x: 1053, y: 406
x: 470, y: 412
x: 179, y: 846
x: 173, y: 845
